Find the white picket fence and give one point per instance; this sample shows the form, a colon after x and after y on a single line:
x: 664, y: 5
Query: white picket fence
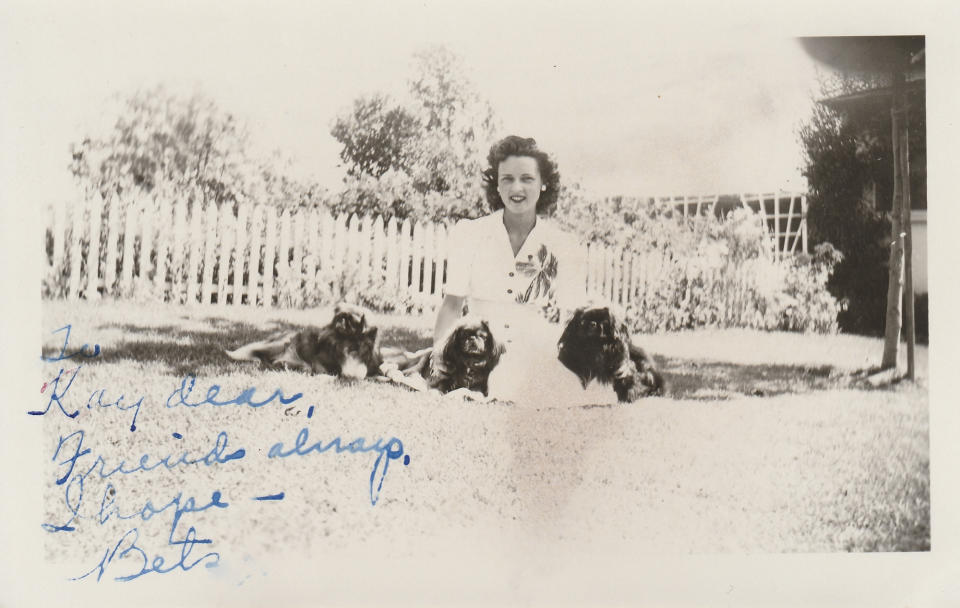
x: 255, y: 255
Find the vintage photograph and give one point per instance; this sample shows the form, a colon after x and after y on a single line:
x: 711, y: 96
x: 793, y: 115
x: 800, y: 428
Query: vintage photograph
x: 453, y: 304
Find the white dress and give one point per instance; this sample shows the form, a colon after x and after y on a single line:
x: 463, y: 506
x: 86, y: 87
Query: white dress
x: 515, y: 294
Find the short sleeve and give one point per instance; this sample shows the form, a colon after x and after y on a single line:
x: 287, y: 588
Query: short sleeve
x: 572, y: 286
x: 459, y: 260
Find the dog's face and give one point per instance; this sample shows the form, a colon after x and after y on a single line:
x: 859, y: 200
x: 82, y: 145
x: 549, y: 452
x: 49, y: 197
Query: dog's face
x: 466, y: 357
x: 594, y: 325
x: 473, y: 339
x: 357, y: 354
x: 349, y: 320
x: 597, y: 323
x: 594, y: 344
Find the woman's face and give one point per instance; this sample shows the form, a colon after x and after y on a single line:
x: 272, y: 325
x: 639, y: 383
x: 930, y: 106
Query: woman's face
x: 519, y: 184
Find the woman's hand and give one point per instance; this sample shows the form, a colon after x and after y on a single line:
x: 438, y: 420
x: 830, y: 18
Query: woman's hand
x: 447, y: 315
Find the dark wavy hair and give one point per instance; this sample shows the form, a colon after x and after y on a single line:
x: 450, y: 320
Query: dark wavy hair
x: 513, y: 145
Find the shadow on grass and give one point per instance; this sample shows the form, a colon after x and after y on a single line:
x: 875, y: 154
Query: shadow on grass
x: 199, y: 350
x: 198, y: 347
x: 712, y: 380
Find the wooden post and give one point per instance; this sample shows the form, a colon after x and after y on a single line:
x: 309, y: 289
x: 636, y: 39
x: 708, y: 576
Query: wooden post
x: 364, y: 243
x: 416, y: 257
x: 891, y: 344
x: 404, y: 232
x: 78, y: 213
x: 113, y: 231
x: 590, y: 249
x: 429, y: 236
x: 339, y: 248
x: 283, y: 259
x: 164, y: 213
x: 194, y: 278
x: 253, y: 273
x: 147, y: 231
x: 351, y: 244
x: 240, y: 252
x: 93, y: 247
x: 376, y: 255
x: 906, y: 231
x: 225, y: 245
x: 299, y: 222
x: 311, y: 260
x: 129, y: 235
x: 59, y: 236
x: 269, y: 255
x: 393, y: 259
x: 178, y: 254
x: 615, y: 270
x: 441, y: 256
x: 209, y: 252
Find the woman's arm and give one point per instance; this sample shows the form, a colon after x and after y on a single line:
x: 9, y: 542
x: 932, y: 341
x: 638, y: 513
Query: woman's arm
x: 448, y: 314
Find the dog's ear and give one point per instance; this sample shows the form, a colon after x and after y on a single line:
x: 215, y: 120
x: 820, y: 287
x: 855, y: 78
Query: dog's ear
x: 496, y: 351
x: 443, y: 357
x: 448, y: 349
x: 486, y: 327
x: 573, y: 325
x: 358, y: 313
x: 371, y: 333
x: 495, y: 348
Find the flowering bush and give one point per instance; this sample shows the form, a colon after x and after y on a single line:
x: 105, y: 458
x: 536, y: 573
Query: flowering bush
x: 707, y: 271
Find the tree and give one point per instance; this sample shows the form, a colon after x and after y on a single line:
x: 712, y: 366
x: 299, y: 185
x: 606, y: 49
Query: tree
x: 165, y: 142
x: 432, y: 144
x: 375, y: 136
x: 457, y: 123
x: 839, y: 163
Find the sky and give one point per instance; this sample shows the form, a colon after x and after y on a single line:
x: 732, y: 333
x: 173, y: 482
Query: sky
x: 630, y: 98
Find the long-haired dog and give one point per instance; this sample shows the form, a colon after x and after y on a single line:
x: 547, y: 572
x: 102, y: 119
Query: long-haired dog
x: 346, y: 347
x: 465, y: 357
x: 596, y: 345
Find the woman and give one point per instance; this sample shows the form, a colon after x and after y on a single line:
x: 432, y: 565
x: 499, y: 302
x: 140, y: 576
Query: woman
x: 514, y: 268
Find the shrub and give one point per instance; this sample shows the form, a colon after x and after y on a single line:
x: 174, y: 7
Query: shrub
x: 394, y: 194
x: 344, y: 285
x: 805, y: 304
x: 848, y: 152
x: 705, y: 271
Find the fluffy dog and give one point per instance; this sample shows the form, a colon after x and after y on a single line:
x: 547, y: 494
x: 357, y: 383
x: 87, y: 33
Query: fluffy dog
x: 595, y: 345
x: 465, y: 357
x: 346, y: 347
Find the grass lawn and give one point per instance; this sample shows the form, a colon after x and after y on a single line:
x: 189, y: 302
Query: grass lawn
x: 765, y: 442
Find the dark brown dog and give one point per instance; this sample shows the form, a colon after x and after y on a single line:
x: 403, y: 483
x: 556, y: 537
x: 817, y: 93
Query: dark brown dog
x: 465, y: 358
x: 595, y: 345
x: 346, y: 347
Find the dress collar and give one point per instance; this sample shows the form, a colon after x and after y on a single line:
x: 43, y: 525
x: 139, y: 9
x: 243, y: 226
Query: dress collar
x: 530, y: 244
